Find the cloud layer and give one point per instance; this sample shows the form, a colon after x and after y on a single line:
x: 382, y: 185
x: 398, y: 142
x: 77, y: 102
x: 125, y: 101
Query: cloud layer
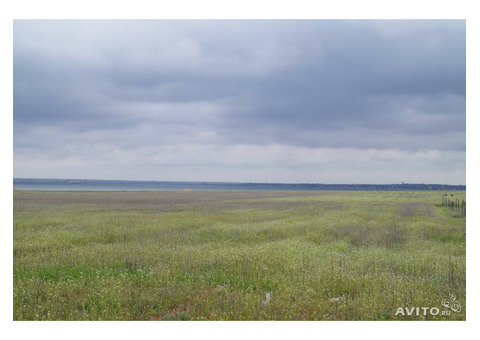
x: 282, y: 101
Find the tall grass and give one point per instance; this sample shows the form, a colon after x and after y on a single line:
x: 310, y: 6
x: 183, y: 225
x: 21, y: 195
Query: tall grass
x: 216, y: 256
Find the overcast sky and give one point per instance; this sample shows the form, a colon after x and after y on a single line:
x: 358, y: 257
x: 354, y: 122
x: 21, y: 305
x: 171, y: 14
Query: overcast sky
x: 246, y: 101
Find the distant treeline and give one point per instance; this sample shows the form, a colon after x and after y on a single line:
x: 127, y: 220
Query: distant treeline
x: 365, y: 187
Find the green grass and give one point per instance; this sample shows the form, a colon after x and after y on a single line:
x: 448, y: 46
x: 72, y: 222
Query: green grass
x: 215, y: 255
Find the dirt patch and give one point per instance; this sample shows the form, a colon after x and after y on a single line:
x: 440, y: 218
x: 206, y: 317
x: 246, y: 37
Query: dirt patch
x: 160, y: 200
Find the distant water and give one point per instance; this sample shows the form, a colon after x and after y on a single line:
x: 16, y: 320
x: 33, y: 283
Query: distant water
x: 112, y: 185
x: 107, y: 185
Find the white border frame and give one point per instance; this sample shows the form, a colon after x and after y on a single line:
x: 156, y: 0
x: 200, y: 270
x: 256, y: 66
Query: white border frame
x: 246, y: 9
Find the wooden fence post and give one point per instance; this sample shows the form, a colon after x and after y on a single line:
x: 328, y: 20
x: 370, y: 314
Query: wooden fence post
x: 459, y: 206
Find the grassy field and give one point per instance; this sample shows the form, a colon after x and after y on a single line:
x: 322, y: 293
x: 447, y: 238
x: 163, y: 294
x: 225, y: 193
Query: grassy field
x: 216, y: 255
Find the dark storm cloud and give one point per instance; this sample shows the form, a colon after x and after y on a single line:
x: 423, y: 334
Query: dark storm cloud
x: 360, y: 85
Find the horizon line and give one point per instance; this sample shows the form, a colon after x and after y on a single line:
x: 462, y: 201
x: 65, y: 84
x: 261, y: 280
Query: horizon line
x: 225, y: 182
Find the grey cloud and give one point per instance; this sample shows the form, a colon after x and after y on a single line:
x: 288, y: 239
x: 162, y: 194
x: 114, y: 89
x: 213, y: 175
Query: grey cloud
x: 391, y: 85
